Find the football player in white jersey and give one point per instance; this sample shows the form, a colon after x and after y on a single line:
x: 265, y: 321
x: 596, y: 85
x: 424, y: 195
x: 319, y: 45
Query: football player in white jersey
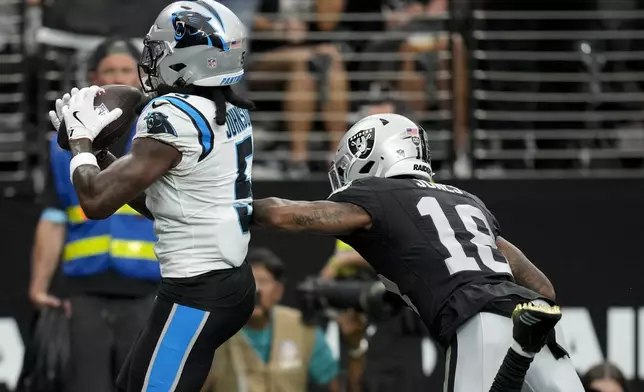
x: 189, y: 170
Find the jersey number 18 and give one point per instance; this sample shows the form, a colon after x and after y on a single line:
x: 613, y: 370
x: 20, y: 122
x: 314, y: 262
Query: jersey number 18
x: 485, y: 242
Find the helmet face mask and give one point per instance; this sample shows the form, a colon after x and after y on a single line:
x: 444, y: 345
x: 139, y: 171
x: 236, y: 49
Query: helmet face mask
x: 153, y: 53
x: 337, y: 172
x: 384, y: 145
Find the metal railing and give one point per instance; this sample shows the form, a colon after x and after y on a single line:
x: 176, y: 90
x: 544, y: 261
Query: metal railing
x: 376, y: 67
x: 551, y: 93
x: 556, y: 94
x: 14, y: 152
x: 64, y: 55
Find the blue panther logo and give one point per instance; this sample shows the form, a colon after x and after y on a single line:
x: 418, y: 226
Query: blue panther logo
x: 158, y: 123
x: 192, y: 29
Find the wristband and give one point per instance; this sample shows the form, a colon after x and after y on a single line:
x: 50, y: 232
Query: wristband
x: 84, y: 158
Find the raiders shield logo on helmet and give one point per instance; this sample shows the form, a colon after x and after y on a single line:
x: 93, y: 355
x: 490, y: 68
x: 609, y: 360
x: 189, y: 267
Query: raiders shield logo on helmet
x: 361, y: 144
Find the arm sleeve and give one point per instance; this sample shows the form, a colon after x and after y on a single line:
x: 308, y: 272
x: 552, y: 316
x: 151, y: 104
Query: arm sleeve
x: 163, y: 121
x: 360, y: 193
x: 323, y: 368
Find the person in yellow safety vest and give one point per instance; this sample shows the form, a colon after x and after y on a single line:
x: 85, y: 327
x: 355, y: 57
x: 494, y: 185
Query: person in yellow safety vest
x: 345, y: 262
x: 276, y: 351
x: 109, y: 267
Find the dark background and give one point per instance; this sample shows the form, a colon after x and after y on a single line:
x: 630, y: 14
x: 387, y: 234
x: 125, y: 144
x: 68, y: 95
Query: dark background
x: 586, y: 235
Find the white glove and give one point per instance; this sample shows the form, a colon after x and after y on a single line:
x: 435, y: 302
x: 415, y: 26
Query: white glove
x: 56, y: 117
x: 82, y: 120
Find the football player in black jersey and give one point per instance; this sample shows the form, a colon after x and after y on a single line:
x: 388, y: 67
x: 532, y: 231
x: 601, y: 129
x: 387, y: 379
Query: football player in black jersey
x: 439, y: 248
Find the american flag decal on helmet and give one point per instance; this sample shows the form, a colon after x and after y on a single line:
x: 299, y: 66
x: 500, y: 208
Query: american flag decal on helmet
x: 236, y: 43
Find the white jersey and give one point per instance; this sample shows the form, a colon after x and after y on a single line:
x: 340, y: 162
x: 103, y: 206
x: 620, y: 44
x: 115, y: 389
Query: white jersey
x: 202, y: 207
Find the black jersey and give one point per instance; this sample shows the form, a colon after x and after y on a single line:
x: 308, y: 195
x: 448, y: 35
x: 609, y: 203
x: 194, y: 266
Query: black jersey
x: 435, y: 245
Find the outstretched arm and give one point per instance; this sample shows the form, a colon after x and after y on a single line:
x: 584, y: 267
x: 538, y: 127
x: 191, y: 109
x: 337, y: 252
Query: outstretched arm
x: 525, y: 273
x: 325, y: 217
x: 101, y: 193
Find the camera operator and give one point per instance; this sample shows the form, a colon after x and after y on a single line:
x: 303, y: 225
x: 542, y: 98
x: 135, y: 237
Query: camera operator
x: 393, y: 360
x: 276, y: 351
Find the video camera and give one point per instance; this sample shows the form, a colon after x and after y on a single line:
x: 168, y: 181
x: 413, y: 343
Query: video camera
x: 370, y: 297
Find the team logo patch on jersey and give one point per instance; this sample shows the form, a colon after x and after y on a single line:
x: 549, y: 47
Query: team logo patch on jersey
x: 361, y: 144
x: 157, y: 122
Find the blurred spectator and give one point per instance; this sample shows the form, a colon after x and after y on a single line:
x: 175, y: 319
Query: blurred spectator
x: 314, y: 73
x: 110, y: 271
x: 114, y: 62
x: 244, y: 9
x: 605, y: 377
x: 275, y: 351
x: 422, y: 80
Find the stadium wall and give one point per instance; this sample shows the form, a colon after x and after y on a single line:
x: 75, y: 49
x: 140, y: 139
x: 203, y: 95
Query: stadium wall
x: 586, y: 235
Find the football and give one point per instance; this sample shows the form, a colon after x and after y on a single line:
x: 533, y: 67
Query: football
x: 116, y: 96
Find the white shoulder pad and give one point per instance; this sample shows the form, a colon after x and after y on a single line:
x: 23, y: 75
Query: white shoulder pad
x: 176, y: 122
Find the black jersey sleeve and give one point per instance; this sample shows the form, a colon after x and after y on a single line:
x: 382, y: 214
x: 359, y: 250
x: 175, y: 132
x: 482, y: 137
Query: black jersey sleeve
x: 360, y: 193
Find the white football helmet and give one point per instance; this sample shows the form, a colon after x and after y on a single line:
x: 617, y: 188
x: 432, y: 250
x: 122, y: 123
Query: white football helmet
x: 382, y: 145
x: 200, y: 42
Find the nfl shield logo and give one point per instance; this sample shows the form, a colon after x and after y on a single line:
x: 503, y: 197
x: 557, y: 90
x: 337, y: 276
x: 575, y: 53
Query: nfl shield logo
x: 212, y: 63
x: 361, y: 144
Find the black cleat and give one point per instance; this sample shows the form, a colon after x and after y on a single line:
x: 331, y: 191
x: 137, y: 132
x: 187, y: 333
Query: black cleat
x: 533, y: 324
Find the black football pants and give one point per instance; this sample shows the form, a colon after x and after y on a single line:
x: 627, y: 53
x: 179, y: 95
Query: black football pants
x: 190, y: 319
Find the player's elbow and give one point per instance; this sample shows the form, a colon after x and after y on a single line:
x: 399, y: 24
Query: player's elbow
x: 95, y: 211
x: 96, y: 214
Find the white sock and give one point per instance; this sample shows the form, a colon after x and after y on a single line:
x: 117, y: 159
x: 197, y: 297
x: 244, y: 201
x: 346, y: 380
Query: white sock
x: 517, y: 349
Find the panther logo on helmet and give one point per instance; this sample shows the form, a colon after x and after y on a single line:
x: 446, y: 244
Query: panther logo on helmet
x: 193, y: 29
x: 361, y: 144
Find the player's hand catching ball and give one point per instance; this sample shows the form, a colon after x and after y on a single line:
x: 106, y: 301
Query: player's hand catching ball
x: 82, y: 120
x: 56, y: 117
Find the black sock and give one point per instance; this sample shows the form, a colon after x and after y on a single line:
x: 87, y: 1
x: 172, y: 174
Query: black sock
x: 512, y: 373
